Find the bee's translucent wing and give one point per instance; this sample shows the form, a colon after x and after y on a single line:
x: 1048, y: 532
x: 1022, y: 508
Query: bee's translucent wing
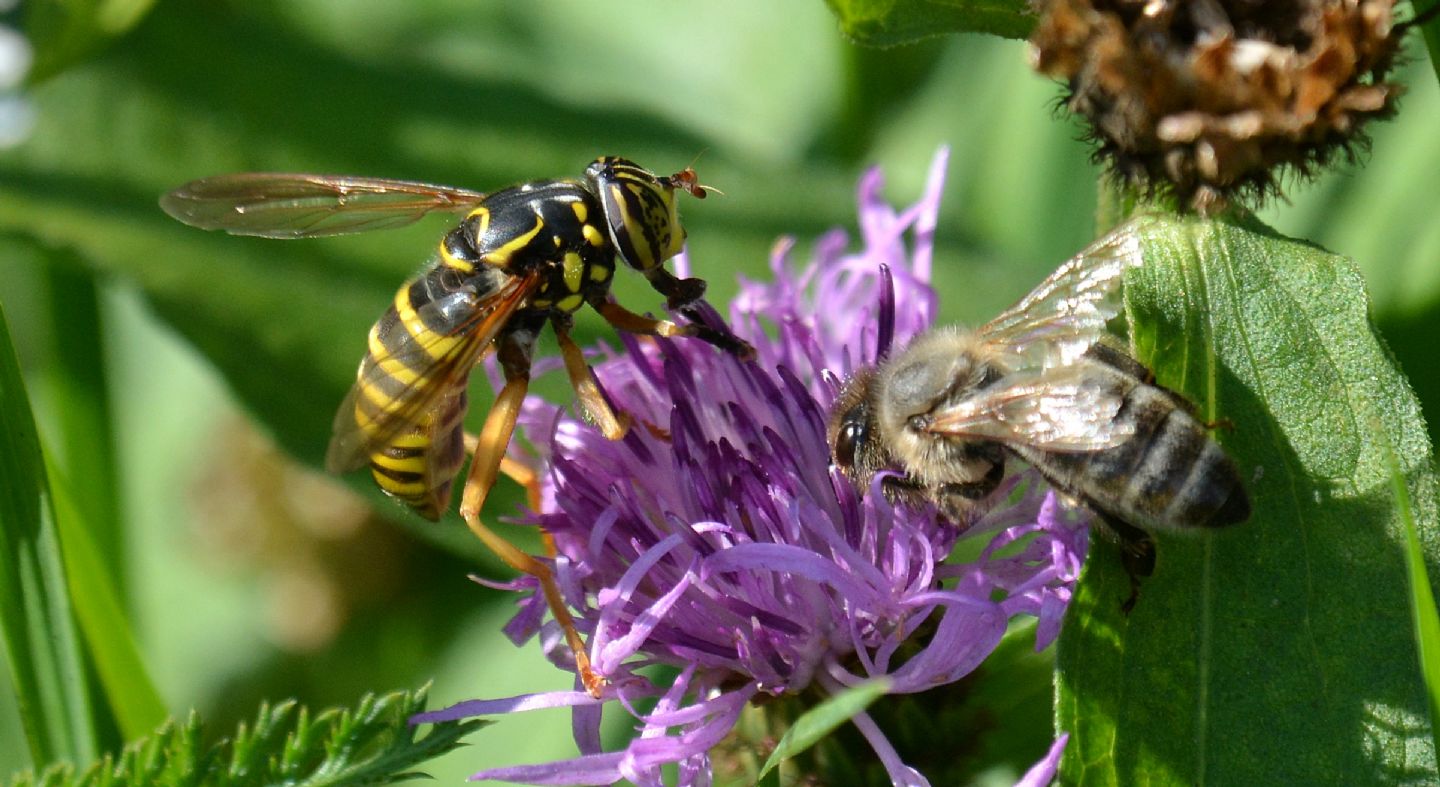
x: 1060, y: 409
x: 280, y: 205
x: 408, y: 372
x: 1067, y: 313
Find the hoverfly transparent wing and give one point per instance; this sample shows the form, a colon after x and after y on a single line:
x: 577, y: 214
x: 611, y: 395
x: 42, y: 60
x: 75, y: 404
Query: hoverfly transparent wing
x: 1059, y: 409
x: 278, y: 205
x: 1067, y: 313
x: 406, y: 374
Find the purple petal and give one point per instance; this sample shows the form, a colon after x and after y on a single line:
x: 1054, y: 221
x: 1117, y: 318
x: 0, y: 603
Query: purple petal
x: 588, y: 769
x: 1044, y: 771
x: 523, y: 702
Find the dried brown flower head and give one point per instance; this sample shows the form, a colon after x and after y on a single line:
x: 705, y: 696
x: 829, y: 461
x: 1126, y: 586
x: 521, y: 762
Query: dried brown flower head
x: 1213, y: 99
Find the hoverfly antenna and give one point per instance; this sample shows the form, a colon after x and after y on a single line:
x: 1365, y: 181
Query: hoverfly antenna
x: 688, y: 181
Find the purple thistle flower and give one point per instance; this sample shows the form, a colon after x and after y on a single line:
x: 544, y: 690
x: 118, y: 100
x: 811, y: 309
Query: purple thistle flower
x: 717, y: 538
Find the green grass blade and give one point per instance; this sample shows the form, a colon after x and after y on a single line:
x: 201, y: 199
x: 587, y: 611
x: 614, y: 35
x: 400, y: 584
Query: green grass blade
x: 1424, y: 616
x: 134, y: 701
x: 35, y: 617
x: 822, y: 719
x: 79, y: 386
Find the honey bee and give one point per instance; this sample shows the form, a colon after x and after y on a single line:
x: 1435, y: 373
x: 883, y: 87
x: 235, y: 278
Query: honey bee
x: 1038, y: 383
x: 521, y: 257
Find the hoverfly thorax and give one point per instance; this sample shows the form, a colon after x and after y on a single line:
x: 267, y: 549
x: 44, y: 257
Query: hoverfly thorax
x: 640, y: 212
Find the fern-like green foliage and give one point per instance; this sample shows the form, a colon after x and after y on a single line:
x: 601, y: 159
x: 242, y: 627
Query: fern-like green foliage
x: 374, y: 743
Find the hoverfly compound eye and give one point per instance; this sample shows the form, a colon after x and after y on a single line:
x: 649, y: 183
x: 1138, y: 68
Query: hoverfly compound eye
x: 640, y: 212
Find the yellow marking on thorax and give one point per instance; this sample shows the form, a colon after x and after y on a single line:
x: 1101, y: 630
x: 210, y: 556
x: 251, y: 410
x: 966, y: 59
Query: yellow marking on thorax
x: 451, y: 261
x: 599, y: 272
x: 482, y: 221
x: 593, y: 235
x: 581, y: 212
x: 574, y: 270
x: 500, y: 257
x: 570, y: 303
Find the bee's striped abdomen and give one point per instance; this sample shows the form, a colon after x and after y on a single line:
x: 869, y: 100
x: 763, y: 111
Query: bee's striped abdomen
x: 1169, y: 474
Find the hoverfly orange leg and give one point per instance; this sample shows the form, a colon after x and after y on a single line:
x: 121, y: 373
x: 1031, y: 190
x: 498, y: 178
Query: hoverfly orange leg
x: 516, y: 471
x: 485, y: 468
x: 630, y: 322
x: 612, y: 425
x: 525, y: 476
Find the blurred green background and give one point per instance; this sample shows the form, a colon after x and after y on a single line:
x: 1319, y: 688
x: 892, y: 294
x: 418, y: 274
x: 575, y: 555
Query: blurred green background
x: 186, y: 380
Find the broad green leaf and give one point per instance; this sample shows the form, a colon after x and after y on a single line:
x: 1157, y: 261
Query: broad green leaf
x: 1279, y: 650
x: 822, y: 719
x: 890, y: 22
x: 39, y: 634
x: 64, y: 32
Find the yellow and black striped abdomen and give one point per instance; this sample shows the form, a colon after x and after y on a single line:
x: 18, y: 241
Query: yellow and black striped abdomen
x: 420, y: 464
x: 410, y: 399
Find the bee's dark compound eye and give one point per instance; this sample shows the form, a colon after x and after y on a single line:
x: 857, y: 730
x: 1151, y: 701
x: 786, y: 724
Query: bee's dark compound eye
x: 847, y: 442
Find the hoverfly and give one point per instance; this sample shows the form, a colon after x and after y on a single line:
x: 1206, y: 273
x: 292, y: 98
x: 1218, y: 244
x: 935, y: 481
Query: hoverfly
x: 1038, y: 383
x: 521, y: 257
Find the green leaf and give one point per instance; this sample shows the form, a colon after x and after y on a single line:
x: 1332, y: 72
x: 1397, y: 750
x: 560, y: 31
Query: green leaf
x: 78, y: 387
x: 133, y: 699
x: 813, y: 725
x: 39, y: 633
x: 1424, y: 616
x: 1279, y: 650
x: 1431, y: 31
x: 372, y: 744
x: 891, y: 22
x: 64, y: 32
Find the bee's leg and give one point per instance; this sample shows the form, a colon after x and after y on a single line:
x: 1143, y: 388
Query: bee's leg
x: 582, y: 378
x: 516, y: 347
x: 1137, y: 552
x: 525, y: 476
x: 630, y: 322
